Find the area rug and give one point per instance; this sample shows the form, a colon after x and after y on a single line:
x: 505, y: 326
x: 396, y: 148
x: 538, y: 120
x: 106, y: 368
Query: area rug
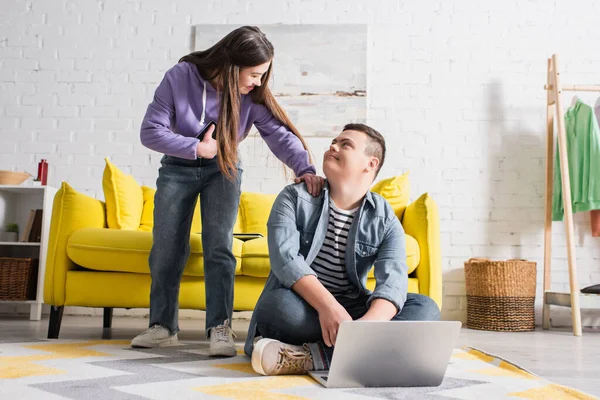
x: 109, y: 369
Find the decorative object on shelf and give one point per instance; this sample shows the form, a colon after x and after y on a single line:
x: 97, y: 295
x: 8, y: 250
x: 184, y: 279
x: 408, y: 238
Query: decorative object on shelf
x: 13, y: 178
x: 11, y: 234
x: 33, y: 228
x: 42, y: 172
x: 18, y: 278
x: 500, y: 294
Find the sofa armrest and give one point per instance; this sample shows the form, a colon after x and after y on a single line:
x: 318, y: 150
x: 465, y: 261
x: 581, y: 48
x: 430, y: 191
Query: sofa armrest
x: 71, y: 211
x: 421, y: 221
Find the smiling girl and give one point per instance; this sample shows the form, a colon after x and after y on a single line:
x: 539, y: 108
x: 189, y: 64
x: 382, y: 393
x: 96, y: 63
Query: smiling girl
x: 223, y: 89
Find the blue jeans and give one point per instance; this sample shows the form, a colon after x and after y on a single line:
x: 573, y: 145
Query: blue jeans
x: 285, y: 316
x: 178, y: 185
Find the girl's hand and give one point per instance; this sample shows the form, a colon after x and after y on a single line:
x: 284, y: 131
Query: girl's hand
x: 314, y: 183
x: 207, y: 148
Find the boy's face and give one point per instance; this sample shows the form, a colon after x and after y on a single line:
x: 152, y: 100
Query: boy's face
x: 346, y: 157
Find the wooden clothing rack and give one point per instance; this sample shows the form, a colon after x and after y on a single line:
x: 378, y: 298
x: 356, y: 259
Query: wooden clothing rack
x: 575, y: 299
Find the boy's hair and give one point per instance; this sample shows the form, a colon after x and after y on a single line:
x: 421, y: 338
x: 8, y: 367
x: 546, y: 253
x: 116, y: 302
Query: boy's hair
x: 375, y: 144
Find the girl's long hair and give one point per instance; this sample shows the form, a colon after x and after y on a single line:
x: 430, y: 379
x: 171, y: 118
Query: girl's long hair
x: 246, y: 46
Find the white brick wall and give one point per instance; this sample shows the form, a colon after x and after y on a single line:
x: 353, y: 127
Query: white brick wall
x: 455, y: 86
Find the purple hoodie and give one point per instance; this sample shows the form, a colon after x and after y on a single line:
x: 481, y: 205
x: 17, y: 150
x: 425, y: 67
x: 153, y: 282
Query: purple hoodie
x: 173, y: 120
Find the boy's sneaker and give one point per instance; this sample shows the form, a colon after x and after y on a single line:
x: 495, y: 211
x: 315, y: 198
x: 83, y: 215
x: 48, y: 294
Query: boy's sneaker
x: 156, y: 336
x: 221, y: 341
x: 272, y: 357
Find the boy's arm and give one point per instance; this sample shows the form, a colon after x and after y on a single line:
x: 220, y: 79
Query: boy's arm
x: 380, y: 310
x: 288, y: 265
x: 315, y: 294
x: 391, y: 275
x: 292, y: 270
x: 283, y: 238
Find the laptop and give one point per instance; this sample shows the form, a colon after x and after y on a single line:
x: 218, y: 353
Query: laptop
x: 390, y: 354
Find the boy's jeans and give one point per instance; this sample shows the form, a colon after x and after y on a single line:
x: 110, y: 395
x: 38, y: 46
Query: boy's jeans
x: 285, y: 316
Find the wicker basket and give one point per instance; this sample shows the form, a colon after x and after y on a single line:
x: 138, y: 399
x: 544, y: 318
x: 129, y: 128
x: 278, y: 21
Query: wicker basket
x: 18, y: 278
x: 500, y: 294
x: 13, y: 178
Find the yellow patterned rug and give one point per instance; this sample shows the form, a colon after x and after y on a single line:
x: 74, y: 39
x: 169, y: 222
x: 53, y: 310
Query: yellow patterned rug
x: 109, y: 369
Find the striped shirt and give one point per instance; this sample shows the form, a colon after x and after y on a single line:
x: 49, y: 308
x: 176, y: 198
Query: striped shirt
x: 330, y: 264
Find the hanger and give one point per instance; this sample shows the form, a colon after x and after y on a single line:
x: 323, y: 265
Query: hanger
x: 574, y: 101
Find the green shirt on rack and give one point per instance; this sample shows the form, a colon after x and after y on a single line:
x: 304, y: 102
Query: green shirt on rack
x: 583, y: 150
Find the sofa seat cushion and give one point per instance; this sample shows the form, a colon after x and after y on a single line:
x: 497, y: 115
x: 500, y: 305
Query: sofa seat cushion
x: 255, y: 257
x: 119, y: 250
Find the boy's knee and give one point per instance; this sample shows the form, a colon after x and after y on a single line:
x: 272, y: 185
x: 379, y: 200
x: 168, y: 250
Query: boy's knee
x: 274, y: 304
x: 281, y: 314
x: 430, y: 309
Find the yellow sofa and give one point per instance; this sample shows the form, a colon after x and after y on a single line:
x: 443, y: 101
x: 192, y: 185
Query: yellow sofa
x: 91, y: 265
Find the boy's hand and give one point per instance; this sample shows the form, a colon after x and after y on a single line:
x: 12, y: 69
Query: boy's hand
x: 330, y: 319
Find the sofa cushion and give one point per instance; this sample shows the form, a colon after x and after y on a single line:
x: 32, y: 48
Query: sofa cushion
x: 396, y: 190
x: 124, y: 198
x: 147, y: 220
x: 71, y: 210
x: 255, y: 209
x: 255, y: 257
x: 127, y: 251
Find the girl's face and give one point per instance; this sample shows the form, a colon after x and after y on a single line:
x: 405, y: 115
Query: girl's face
x: 252, y: 76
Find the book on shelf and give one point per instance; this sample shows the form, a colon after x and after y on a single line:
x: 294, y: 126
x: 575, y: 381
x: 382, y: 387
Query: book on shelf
x: 36, y: 229
x: 27, y: 229
x: 33, y: 228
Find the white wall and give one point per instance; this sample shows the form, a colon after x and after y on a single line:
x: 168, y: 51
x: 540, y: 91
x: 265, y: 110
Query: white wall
x: 455, y: 86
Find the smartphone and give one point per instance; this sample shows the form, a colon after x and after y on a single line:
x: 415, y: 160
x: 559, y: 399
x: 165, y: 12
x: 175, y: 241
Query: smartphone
x: 247, y: 236
x: 200, y: 136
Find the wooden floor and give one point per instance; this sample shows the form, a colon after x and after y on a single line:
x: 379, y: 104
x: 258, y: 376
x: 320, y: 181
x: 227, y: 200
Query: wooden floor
x: 555, y: 355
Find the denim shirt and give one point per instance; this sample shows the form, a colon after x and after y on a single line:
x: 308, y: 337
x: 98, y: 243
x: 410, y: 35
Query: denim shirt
x: 297, y: 227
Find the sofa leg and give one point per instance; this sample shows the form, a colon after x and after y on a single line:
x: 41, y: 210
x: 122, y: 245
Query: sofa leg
x: 56, y: 313
x: 108, y: 314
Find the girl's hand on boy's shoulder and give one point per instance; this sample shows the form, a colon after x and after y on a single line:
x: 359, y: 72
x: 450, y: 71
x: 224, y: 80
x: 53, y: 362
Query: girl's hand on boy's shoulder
x: 314, y: 183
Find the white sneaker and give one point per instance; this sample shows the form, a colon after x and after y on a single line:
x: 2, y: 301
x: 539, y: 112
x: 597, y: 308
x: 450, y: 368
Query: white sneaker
x: 221, y: 341
x: 272, y: 357
x: 157, y: 336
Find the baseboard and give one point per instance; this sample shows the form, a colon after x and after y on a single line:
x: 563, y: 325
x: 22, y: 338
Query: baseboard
x: 23, y: 310
x: 561, y: 317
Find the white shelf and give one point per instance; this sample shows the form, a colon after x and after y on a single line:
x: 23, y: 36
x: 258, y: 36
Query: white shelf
x: 20, y: 244
x: 18, y: 301
x: 21, y: 188
x: 16, y: 203
x: 564, y: 299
